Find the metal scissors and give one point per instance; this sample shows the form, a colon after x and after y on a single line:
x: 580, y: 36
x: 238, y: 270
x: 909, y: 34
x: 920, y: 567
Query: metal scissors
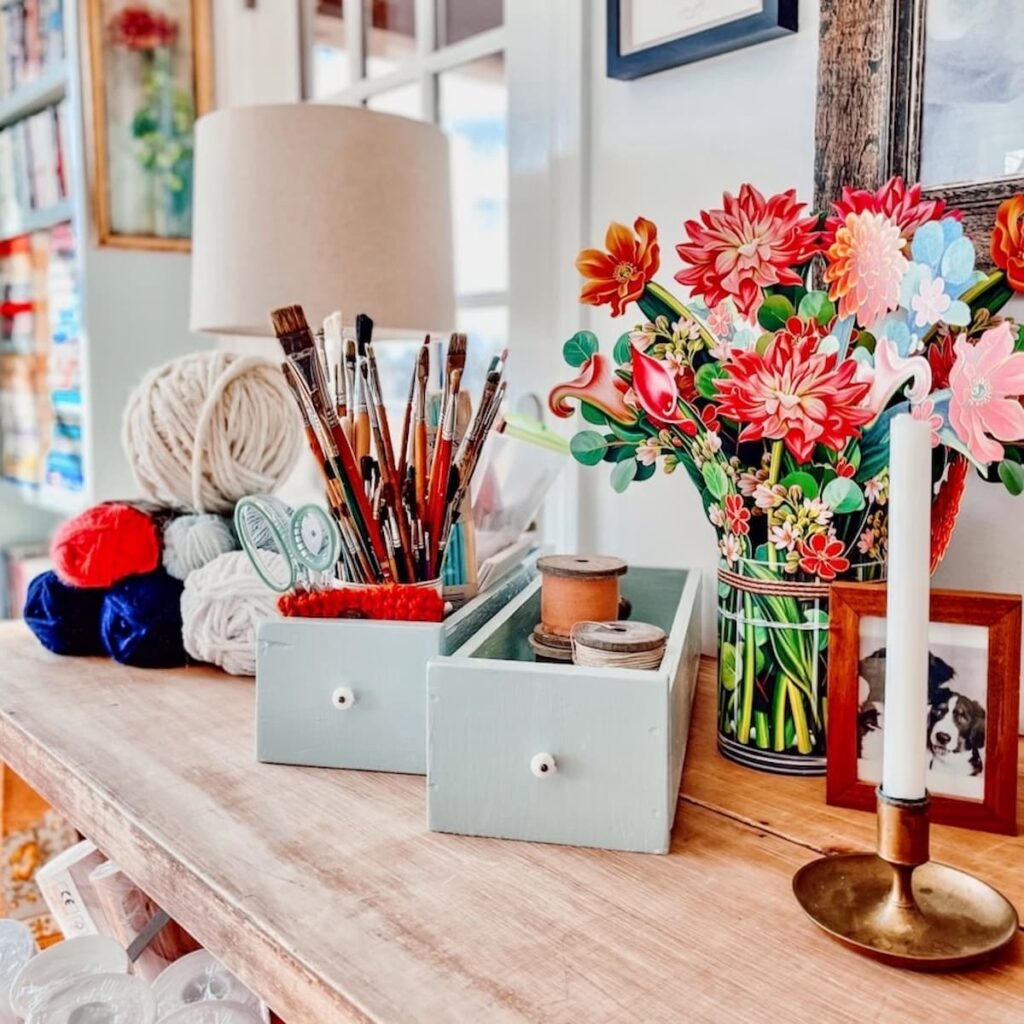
x: 308, y: 540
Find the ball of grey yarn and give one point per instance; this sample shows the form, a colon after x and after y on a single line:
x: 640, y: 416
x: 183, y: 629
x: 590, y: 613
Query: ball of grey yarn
x: 190, y: 542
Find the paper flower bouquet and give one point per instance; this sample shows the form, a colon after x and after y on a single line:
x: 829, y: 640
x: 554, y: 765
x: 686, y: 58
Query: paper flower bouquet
x: 774, y: 387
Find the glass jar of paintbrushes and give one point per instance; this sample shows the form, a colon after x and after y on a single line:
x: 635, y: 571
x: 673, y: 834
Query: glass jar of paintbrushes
x: 397, y: 521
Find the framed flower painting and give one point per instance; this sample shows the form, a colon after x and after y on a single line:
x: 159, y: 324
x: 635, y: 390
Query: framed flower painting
x: 645, y: 36
x: 150, y: 77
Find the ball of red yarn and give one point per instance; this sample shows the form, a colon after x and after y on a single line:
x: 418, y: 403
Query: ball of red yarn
x: 104, y: 544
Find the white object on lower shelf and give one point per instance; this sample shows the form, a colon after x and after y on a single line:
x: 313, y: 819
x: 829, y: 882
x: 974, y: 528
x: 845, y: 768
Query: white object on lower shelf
x: 350, y: 693
x: 558, y: 753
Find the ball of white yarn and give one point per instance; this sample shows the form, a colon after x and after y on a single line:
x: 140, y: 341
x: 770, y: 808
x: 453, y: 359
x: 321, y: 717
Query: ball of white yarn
x: 193, y: 540
x: 204, y: 430
x: 221, y: 607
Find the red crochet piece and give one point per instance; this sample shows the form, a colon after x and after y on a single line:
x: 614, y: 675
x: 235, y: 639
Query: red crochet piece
x: 392, y: 601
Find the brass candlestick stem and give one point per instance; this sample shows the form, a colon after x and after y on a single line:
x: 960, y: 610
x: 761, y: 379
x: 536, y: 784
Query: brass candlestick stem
x: 900, y: 907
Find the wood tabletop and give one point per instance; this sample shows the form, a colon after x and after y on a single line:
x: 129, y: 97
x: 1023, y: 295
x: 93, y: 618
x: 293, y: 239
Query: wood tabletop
x: 325, y: 893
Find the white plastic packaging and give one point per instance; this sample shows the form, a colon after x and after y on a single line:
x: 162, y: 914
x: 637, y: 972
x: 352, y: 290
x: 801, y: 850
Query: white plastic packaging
x: 64, y: 962
x: 200, y: 978
x: 17, y: 947
x: 213, y: 1013
x: 98, y: 999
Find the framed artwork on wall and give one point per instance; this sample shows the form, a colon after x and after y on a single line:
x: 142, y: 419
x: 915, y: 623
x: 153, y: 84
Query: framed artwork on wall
x: 973, y: 684
x: 150, y: 77
x: 646, y: 36
x: 930, y: 90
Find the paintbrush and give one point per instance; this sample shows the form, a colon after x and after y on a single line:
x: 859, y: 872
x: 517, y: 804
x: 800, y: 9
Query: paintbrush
x: 420, y: 427
x: 293, y: 333
x: 335, y: 359
x: 350, y: 383
x: 440, y: 469
x: 477, y: 433
x: 326, y: 457
x: 403, y: 449
x: 364, y: 331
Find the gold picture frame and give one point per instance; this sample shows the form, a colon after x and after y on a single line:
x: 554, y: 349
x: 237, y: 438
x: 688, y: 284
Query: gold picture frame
x: 171, y: 230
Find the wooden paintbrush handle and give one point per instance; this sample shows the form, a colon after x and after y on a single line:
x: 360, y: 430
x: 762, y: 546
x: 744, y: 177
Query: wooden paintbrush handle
x: 362, y: 431
x: 420, y: 463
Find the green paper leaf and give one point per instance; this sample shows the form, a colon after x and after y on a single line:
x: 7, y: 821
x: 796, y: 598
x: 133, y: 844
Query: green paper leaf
x: 593, y: 415
x: 816, y: 306
x: 843, y: 495
x: 623, y: 351
x: 588, y: 447
x: 645, y: 471
x: 623, y: 475
x: 579, y: 348
x: 715, y: 478
x: 624, y: 433
x: 1012, y: 475
x: 705, y: 379
x: 728, y: 666
x: 807, y: 484
x: 774, y: 312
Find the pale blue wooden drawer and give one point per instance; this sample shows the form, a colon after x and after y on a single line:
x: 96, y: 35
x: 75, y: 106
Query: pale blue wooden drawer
x: 348, y: 693
x: 615, y: 739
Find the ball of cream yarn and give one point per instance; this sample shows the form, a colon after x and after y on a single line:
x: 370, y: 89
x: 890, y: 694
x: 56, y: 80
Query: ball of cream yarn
x: 206, y: 429
x: 193, y: 540
x: 221, y: 608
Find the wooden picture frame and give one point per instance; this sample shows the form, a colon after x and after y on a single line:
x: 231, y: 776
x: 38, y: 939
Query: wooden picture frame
x: 870, y: 98
x: 1000, y: 616
x: 776, y: 18
x: 97, y: 36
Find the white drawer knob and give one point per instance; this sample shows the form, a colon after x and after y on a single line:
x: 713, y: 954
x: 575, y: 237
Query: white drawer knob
x: 543, y: 765
x: 343, y: 698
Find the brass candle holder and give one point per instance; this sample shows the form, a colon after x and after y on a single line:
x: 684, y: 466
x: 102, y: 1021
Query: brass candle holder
x: 900, y: 907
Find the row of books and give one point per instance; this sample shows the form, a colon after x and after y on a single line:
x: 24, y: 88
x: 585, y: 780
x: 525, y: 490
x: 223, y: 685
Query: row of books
x: 40, y: 361
x: 33, y: 165
x: 31, y: 39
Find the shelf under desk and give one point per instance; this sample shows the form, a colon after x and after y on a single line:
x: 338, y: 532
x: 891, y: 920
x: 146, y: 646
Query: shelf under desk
x: 325, y: 893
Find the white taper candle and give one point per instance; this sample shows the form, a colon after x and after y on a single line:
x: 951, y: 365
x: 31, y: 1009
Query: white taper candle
x: 905, y: 715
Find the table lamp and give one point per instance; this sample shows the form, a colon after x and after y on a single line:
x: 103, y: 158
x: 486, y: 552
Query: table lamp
x: 327, y: 206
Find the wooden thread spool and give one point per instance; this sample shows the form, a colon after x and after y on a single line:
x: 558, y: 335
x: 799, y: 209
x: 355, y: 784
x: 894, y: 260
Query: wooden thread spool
x: 578, y: 588
x: 618, y: 645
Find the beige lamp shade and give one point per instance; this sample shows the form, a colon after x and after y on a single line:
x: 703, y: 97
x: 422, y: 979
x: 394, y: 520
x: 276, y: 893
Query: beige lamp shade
x: 330, y: 207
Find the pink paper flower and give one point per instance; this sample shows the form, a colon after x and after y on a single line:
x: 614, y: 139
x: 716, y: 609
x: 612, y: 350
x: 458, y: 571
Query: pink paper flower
x: 785, y: 536
x: 925, y: 411
x: 865, y: 265
x: 987, y: 381
x: 597, y: 385
x: 658, y: 393
x: 749, y: 244
x: 866, y: 542
x: 720, y: 320
x: 731, y: 548
x: 716, y: 515
x: 794, y: 394
x: 647, y: 453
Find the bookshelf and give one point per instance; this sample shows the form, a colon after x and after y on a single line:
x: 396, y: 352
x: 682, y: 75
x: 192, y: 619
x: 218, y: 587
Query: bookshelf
x: 100, y: 317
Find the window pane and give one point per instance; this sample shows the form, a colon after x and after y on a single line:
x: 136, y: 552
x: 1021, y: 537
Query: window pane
x: 972, y: 125
x: 486, y: 327
x: 474, y: 111
x: 460, y: 19
x: 329, y: 63
x: 406, y: 100
x: 390, y: 34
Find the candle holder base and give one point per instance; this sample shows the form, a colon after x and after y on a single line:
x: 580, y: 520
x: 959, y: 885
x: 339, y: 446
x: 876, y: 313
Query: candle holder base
x: 902, y: 908
x: 956, y: 920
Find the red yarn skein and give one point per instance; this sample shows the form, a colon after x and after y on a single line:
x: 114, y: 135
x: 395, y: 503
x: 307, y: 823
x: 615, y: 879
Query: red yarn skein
x: 104, y: 544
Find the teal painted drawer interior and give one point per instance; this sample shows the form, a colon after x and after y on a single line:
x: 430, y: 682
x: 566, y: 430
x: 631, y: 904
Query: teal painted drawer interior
x: 522, y: 749
x: 350, y: 693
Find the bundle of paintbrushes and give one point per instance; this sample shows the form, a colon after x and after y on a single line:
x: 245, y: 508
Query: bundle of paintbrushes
x: 395, y: 508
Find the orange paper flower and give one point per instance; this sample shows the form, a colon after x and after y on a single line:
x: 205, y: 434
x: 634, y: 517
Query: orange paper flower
x: 1008, y: 241
x: 619, y: 275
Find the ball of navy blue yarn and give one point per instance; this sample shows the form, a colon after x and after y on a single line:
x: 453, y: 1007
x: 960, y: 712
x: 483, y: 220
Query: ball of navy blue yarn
x: 141, y: 621
x: 65, y: 620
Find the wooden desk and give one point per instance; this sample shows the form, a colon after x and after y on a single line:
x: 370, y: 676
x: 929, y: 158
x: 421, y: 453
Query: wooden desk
x: 325, y: 893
